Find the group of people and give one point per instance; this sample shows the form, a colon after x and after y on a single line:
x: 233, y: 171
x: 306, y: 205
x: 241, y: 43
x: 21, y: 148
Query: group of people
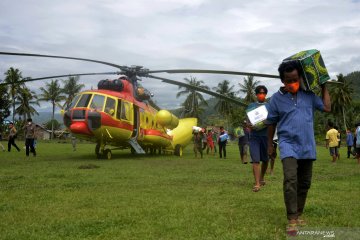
x: 207, y: 139
x: 290, y: 113
x: 29, y: 133
x: 333, y: 140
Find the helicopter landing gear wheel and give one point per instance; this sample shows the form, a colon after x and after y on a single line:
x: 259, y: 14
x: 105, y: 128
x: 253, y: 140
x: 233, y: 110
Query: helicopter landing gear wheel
x: 178, y: 150
x: 107, y: 154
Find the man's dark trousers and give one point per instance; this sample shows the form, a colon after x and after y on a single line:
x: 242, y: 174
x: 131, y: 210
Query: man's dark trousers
x: 297, y: 181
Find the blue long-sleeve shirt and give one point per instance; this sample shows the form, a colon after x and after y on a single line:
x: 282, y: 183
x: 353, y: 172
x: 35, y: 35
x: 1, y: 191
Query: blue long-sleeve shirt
x: 294, y: 116
x: 349, y: 139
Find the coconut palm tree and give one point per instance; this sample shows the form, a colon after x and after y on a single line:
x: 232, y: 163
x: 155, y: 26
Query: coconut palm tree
x: 25, y: 101
x: 52, y: 92
x: 5, y: 104
x: 13, y: 76
x: 194, y: 99
x: 71, y: 88
x: 341, y: 97
x: 248, y: 87
x: 224, y: 107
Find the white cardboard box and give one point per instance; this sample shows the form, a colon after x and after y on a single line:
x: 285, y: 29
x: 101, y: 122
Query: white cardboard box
x: 258, y: 116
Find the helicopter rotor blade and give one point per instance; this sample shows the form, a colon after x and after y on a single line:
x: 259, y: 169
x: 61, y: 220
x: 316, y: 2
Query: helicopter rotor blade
x: 199, y: 89
x: 215, y: 72
x: 63, y: 57
x: 61, y: 76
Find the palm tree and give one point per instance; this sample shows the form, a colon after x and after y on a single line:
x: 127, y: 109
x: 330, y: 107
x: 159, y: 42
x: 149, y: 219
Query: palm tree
x: 341, y: 97
x: 26, y: 98
x: 194, y: 99
x: 249, y: 88
x: 71, y: 88
x: 13, y: 76
x: 224, y: 107
x: 5, y: 104
x: 52, y: 93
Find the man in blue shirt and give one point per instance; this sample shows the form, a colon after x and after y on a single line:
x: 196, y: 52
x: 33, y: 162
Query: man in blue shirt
x: 258, y: 142
x: 243, y: 142
x: 349, y: 142
x: 291, y: 111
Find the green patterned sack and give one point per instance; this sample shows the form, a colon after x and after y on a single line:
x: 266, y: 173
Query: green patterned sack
x: 314, y: 70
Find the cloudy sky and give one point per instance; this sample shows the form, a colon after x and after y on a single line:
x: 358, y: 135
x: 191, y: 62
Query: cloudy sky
x: 250, y: 36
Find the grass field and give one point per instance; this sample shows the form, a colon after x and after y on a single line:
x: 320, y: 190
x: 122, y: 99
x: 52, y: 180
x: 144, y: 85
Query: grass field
x: 61, y: 194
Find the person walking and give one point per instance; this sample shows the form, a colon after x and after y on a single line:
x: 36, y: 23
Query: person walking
x: 12, y: 137
x: 215, y: 139
x: 291, y: 111
x: 349, y: 142
x: 357, y: 142
x: 1, y: 146
x: 332, y: 141
x: 30, y: 134
x: 339, y: 142
x: 73, y: 142
x: 210, y: 142
x: 258, y: 142
x: 273, y: 157
x: 222, y: 141
x: 243, y: 142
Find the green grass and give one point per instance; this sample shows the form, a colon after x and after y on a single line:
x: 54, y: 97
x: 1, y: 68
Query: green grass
x: 62, y: 194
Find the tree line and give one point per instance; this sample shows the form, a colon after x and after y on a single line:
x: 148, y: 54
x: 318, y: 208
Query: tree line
x: 22, y: 100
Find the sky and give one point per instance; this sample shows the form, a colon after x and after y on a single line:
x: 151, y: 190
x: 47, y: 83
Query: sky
x: 235, y: 35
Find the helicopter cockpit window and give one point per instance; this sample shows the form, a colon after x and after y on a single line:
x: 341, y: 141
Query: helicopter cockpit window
x: 84, y: 100
x: 97, y: 102
x: 74, y: 101
x: 110, y: 106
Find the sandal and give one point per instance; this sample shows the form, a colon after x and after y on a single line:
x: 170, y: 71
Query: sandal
x: 262, y: 183
x: 292, y: 229
x: 256, y: 188
x: 301, y: 222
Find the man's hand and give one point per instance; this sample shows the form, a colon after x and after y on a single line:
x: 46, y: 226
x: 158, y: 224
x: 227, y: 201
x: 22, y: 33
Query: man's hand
x: 271, y: 149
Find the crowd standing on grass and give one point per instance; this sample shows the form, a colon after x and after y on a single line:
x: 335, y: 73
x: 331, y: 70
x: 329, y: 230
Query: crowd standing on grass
x: 291, y: 111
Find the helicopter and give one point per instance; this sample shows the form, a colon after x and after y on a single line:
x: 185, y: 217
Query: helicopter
x: 121, y: 114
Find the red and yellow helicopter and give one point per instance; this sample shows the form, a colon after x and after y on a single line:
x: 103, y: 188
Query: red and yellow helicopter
x: 120, y: 112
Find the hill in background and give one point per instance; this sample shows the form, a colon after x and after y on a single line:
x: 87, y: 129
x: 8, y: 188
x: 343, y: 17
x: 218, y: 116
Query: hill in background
x: 45, y: 117
x: 354, y: 77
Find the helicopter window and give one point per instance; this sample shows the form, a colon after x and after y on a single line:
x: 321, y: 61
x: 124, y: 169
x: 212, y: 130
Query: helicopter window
x: 110, y: 106
x: 125, y: 111
x: 84, y: 100
x: 74, y: 101
x: 97, y: 102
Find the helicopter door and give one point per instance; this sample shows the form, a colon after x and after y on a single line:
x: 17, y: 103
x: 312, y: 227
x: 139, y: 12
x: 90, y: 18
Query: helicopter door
x: 136, y: 121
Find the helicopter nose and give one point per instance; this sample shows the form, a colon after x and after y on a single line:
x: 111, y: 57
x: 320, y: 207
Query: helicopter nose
x: 80, y: 128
